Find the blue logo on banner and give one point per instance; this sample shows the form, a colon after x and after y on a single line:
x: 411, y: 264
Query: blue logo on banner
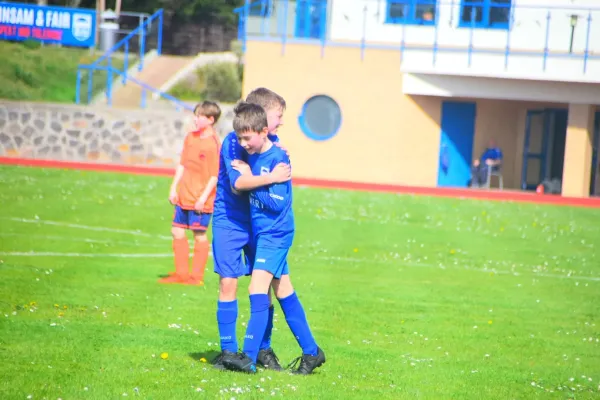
x: 67, y: 26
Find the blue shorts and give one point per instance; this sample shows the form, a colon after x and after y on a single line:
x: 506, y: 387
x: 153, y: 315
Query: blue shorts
x: 228, y: 245
x: 191, y: 219
x: 272, y: 260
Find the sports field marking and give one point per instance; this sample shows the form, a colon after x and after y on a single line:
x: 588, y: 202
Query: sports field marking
x: 326, y: 259
x: 89, y: 255
x: 79, y: 239
x: 88, y: 227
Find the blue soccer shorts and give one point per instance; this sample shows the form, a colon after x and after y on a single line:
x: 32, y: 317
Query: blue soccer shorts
x: 272, y: 260
x: 191, y: 219
x: 228, y: 245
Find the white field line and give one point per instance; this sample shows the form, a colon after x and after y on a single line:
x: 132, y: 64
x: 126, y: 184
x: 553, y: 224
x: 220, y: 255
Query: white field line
x: 89, y: 228
x: 328, y: 259
x: 88, y: 255
x: 78, y: 239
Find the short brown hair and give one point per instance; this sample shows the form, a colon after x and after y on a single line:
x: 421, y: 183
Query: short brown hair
x: 208, y: 109
x: 249, y: 117
x: 266, y: 98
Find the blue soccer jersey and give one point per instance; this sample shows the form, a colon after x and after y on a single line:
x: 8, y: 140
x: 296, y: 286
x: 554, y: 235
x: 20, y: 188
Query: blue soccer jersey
x: 231, y: 208
x: 271, y: 206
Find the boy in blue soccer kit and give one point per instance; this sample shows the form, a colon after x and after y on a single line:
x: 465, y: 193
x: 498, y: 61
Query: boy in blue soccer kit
x: 232, y: 229
x: 273, y: 233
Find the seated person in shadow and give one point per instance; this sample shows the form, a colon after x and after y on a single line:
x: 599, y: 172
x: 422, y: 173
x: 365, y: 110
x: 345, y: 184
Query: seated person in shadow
x: 490, y: 160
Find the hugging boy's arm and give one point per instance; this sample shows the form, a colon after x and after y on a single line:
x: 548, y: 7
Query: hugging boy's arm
x: 246, y: 181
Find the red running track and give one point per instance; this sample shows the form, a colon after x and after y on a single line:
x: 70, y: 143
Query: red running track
x: 495, y: 195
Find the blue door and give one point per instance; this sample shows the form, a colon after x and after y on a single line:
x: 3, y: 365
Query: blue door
x: 456, y: 145
x: 311, y: 19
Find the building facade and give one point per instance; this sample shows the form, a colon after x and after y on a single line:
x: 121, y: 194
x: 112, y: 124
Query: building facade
x: 410, y: 92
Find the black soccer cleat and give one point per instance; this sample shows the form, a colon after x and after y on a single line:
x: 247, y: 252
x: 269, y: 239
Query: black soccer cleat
x: 239, y: 362
x: 268, y: 360
x: 308, y: 363
x: 218, y: 361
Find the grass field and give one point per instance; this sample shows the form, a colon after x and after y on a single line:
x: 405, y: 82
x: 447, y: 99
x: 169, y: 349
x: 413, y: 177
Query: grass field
x: 410, y: 297
x: 49, y: 73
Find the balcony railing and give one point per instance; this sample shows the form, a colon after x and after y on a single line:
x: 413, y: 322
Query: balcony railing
x: 502, y: 28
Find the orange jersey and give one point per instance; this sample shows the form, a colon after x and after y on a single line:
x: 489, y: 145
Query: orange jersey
x: 200, y: 160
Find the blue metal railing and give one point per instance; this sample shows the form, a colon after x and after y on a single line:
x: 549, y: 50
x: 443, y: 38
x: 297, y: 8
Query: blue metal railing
x: 179, y: 105
x: 123, y: 45
x: 493, y: 27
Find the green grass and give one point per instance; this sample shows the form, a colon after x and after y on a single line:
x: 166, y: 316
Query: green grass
x: 410, y: 297
x: 47, y: 73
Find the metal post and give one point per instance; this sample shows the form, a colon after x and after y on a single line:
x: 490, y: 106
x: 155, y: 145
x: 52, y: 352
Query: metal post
x: 109, y: 79
x: 364, y: 34
x: 323, y: 25
x: 143, y: 104
x: 511, y: 22
x: 126, y: 62
x: 286, y: 4
x: 246, y: 14
x: 160, y: 33
x: 78, y: 87
x: 142, y: 45
x: 470, y: 52
x: 435, y: 34
x: 547, y: 40
x: 586, y: 54
x: 90, y: 84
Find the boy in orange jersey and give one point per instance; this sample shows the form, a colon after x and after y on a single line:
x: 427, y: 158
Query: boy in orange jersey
x: 193, y: 195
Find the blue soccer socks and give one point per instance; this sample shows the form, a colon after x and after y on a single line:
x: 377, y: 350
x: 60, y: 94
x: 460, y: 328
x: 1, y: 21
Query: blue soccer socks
x: 259, y: 318
x: 266, y: 341
x: 227, y: 312
x: 296, y: 320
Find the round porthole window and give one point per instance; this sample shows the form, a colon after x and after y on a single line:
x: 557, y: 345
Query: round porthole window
x: 321, y: 117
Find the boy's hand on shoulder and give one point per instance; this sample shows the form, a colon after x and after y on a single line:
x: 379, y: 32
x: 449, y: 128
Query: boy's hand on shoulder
x: 282, y: 148
x: 241, y: 167
x: 281, y: 173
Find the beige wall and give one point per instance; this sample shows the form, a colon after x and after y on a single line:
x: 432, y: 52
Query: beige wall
x: 386, y: 137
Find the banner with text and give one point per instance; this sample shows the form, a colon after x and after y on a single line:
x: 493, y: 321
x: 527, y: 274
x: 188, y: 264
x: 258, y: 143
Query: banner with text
x: 67, y: 26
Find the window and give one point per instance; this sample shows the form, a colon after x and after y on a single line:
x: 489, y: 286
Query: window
x: 262, y: 8
x: 494, y: 14
x: 413, y: 12
x: 321, y: 118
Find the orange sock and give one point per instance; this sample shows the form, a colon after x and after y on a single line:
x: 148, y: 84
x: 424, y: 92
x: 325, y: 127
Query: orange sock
x: 199, y: 260
x: 181, y: 252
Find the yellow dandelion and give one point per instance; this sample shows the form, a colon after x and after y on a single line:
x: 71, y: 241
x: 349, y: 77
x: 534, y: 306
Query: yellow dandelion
x: 33, y: 304
x: 490, y: 322
x: 164, y: 356
x: 61, y: 314
x: 452, y: 251
x: 356, y: 250
x: 56, y: 306
x: 203, y: 360
x: 65, y: 307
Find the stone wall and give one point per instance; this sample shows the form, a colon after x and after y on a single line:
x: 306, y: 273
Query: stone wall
x: 82, y: 133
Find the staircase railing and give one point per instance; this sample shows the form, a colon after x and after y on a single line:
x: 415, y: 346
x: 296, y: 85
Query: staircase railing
x: 123, y: 46
x: 179, y: 105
